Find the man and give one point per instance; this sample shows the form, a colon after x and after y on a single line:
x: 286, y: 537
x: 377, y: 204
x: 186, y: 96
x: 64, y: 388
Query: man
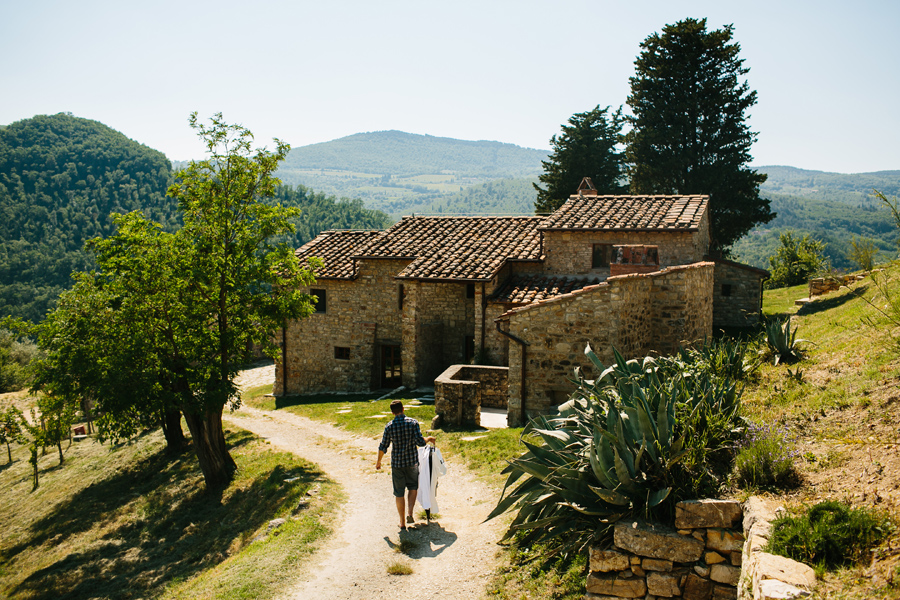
x: 403, y: 432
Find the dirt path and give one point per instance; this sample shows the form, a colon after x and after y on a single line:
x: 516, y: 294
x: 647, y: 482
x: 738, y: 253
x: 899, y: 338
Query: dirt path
x: 451, y: 558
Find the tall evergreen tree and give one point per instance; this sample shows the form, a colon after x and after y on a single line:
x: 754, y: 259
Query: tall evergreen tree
x: 587, y: 147
x: 689, y: 132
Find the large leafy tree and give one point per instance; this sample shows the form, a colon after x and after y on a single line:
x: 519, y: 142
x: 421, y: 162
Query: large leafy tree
x: 184, y: 309
x: 587, y: 147
x: 689, y: 132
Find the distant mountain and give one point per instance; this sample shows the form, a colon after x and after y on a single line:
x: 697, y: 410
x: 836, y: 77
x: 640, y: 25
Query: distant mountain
x: 402, y: 173
x: 831, y: 207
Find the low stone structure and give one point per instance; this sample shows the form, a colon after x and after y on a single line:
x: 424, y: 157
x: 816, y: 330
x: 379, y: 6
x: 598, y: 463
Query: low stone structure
x: 461, y: 391
x: 713, y: 553
x: 822, y: 285
x: 737, y: 294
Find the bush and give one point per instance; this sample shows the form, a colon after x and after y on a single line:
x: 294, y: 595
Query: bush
x: 862, y: 252
x: 766, y: 458
x: 641, y: 437
x: 796, y: 261
x: 828, y: 535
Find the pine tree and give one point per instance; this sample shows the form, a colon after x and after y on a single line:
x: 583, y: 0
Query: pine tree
x: 587, y: 147
x: 689, y: 132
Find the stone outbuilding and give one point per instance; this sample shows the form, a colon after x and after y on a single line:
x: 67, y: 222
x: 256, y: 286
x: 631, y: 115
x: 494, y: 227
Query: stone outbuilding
x: 400, y: 306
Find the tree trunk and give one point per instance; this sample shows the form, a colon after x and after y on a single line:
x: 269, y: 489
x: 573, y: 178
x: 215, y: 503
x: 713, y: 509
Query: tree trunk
x: 9, y: 451
x: 209, y: 443
x: 59, y: 447
x: 34, y: 464
x: 171, y: 425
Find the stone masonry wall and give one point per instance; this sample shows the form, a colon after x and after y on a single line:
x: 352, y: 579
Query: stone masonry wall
x: 741, y: 307
x: 437, y: 317
x: 635, y: 314
x: 570, y: 252
x: 699, y: 560
x: 360, y: 315
x: 461, y: 391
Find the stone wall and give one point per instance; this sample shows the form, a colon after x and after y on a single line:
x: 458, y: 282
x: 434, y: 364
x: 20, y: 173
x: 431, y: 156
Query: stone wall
x: 635, y: 314
x: 570, y: 252
x: 361, y: 315
x: 737, y: 295
x: 461, y: 391
x: 822, y: 285
x: 699, y: 560
x: 437, y: 318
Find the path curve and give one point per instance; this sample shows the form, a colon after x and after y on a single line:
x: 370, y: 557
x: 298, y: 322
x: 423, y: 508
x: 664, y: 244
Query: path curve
x: 453, y: 557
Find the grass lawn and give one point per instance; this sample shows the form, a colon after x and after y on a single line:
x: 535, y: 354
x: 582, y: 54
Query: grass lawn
x: 131, y: 521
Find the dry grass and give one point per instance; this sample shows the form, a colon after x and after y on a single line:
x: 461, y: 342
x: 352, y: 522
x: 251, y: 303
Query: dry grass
x: 399, y: 568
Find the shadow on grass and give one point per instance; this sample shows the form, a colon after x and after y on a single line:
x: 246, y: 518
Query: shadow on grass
x: 173, y: 531
x: 286, y: 401
x: 833, y: 301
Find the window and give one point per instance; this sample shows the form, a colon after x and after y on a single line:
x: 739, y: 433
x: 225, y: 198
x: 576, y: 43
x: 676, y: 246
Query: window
x: 600, y: 256
x: 320, y: 300
x: 401, y: 296
x: 726, y: 289
x: 341, y: 353
x: 470, y: 290
x: 469, y: 349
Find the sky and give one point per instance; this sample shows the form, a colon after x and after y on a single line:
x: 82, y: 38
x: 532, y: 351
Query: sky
x: 827, y: 73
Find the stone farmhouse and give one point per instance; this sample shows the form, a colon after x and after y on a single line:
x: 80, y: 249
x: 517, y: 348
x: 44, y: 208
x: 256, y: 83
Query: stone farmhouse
x: 402, y: 305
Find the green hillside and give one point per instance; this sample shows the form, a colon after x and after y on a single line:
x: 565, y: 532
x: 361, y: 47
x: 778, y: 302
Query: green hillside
x: 61, y: 177
x: 402, y: 173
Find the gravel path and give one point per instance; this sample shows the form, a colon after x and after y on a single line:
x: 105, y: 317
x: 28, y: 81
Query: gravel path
x: 451, y: 558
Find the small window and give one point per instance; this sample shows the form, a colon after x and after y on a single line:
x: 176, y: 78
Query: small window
x: 469, y: 350
x: 726, y: 289
x: 341, y: 353
x: 321, y: 300
x: 401, y: 296
x: 470, y: 290
x: 601, y: 255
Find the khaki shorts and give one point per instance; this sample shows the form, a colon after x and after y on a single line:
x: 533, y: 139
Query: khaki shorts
x: 405, y: 477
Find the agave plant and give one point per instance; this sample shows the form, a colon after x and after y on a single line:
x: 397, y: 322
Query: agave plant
x: 782, y: 341
x: 614, y: 450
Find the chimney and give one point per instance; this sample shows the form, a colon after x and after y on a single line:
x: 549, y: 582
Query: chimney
x: 586, y: 188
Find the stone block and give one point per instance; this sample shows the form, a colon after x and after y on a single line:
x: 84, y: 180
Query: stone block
x: 612, y: 585
x: 604, y: 561
x: 663, y: 584
x: 769, y: 566
x: 697, y: 588
x: 654, y: 541
x: 772, y: 589
x: 707, y: 513
x: 724, y: 592
x: 713, y: 558
x: 736, y: 559
x: 724, y: 540
x: 654, y: 564
x: 722, y: 573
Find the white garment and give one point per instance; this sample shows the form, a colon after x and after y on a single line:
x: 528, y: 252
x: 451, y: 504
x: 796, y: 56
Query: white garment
x: 428, y: 476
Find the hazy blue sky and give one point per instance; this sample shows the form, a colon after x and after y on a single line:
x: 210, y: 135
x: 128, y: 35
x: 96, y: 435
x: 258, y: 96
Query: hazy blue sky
x: 826, y: 71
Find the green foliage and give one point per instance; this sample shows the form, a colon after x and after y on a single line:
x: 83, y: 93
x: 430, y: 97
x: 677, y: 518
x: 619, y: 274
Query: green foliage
x: 60, y: 179
x: 829, y: 534
x: 796, y: 261
x: 766, y: 458
x: 863, y: 252
x: 639, y: 438
x: 57, y: 414
x: 587, y: 147
x: 167, y: 318
x: 781, y: 340
x: 689, y: 132
x: 11, y: 428
x: 498, y: 197
x: 16, y: 354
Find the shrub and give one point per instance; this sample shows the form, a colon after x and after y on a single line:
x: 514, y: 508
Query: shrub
x: 862, y: 252
x: 766, y: 458
x: 796, y: 260
x: 641, y: 437
x: 782, y: 342
x: 829, y: 534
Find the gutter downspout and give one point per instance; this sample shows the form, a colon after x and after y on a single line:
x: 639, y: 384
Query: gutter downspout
x: 524, y: 345
x: 483, y: 316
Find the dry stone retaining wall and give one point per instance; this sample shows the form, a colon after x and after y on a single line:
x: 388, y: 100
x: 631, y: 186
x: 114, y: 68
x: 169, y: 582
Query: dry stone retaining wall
x: 461, y: 391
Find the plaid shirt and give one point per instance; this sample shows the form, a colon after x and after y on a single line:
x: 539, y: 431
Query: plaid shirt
x: 404, y: 432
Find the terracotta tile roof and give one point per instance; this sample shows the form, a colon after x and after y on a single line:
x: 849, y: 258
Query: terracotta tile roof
x: 724, y: 261
x: 525, y: 289
x: 336, y: 249
x: 629, y: 213
x: 467, y: 248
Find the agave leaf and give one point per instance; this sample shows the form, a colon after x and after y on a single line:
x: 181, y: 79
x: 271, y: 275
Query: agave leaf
x: 601, y: 473
x: 611, y: 497
x: 593, y: 358
x: 625, y: 475
x: 655, y: 498
x: 546, y: 456
x: 605, y: 512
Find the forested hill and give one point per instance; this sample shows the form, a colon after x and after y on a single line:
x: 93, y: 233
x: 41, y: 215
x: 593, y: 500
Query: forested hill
x: 405, y: 154
x: 855, y: 188
x: 61, y: 177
